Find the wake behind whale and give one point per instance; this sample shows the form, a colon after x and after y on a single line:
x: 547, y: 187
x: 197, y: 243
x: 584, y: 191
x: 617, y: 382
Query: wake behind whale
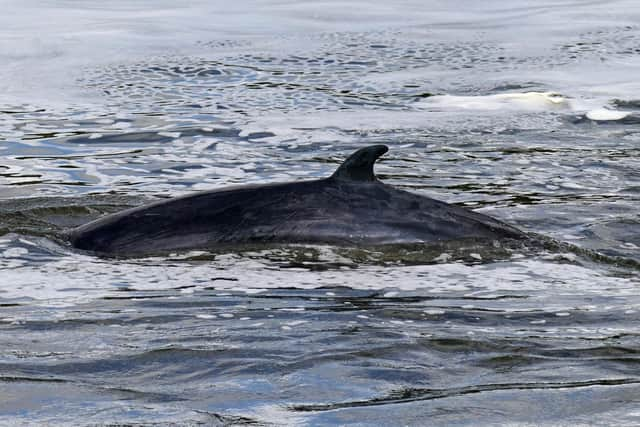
x: 349, y: 208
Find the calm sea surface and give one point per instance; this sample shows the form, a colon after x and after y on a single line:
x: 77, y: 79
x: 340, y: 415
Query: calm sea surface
x: 528, y: 111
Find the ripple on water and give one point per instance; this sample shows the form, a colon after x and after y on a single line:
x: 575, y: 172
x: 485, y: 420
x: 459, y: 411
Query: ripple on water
x: 319, y: 335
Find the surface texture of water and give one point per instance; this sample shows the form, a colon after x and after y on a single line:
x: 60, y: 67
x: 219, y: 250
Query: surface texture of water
x: 526, y: 111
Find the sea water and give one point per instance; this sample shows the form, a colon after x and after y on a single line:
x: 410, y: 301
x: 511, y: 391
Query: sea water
x: 525, y: 111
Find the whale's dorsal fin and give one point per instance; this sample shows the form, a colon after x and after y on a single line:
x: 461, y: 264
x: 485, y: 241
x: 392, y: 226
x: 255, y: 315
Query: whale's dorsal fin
x: 359, y: 165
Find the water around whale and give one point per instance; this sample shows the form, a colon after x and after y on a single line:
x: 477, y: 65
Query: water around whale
x: 107, y: 106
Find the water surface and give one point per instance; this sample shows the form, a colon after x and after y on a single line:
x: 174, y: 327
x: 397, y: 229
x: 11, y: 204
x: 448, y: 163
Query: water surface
x: 528, y: 112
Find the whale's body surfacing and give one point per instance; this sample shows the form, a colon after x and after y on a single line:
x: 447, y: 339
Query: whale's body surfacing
x: 350, y: 208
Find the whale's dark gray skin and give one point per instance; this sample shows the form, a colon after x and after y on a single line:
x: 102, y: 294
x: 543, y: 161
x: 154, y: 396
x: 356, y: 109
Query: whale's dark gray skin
x: 350, y: 208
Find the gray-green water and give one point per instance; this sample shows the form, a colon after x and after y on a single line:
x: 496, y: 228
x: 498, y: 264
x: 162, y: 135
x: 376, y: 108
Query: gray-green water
x: 106, y: 107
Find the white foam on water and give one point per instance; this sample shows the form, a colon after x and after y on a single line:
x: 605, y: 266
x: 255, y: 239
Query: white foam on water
x: 519, y: 101
x: 595, y: 109
x: 605, y: 114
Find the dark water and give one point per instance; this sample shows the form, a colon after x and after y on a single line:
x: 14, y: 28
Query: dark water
x: 528, y: 112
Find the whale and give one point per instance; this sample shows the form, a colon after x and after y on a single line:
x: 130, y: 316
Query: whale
x: 352, y: 207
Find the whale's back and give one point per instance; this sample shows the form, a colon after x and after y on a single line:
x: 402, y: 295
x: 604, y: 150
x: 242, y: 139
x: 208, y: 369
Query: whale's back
x: 325, y: 211
x: 352, y: 207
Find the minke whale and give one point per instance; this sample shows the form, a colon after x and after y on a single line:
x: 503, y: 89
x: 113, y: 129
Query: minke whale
x: 352, y: 207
